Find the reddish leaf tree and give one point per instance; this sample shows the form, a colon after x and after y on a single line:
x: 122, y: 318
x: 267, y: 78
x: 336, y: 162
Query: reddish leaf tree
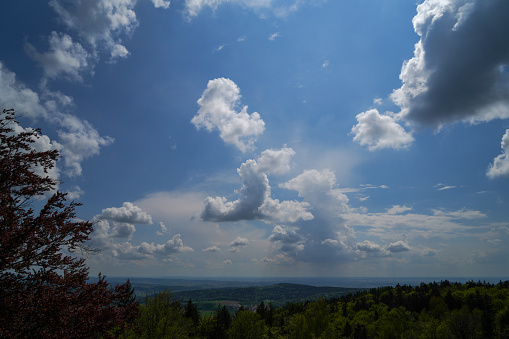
x: 44, y: 291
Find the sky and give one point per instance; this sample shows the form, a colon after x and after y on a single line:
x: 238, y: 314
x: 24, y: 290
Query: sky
x: 272, y: 138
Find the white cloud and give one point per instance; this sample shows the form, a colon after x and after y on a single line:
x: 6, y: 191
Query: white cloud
x: 500, y: 165
x: 317, y: 188
x: 330, y: 242
x: 274, y: 36
x: 128, y: 251
x: 128, y: 213
x: 100, y: 22
x: 255, y: 201
x: 369, y: 247
x: 326, y: 64
x: 287, y: 239
x: 78, y: 140
x: 442, y: 187
x: 163, y: 230
x: 172, y: 246
x: 238, y: 242
x: 397, y: 209
x: 379, y: 131
x: 64, y: 58
x: 82, y: 141
x: 161, y: 4
x: 328, y: 227
x: 275, y: 161
x: 211, y: 249
x: 218, y: 111
x: 398, y: 246
x: 461, y: 214
x: 42, y: 143
x: 457, y: 72
x: 74, y: 193
x: 227, y: 262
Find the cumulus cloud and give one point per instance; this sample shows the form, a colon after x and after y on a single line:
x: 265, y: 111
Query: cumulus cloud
x: 368, y: 246
x: 211, y: 249
x: 326, y: 237
x: 458, y: 73
x: 162, y: 229
x: 500, y: 165
x: 236, y: 244
x: 128, y: 213
x: 128, y: 251
x: 255, y: 201
x: 64, y: 58
x: 397, y: 209
x: 100, y: 22
x: 78, y: 140
x: 398, y: 246
x: 172, y: 246
x: 218, y: 105
x: 330, y: 242
x: 317, y: 187
x: 239, y: 241
x: 287, y: 239
x: 275, y: 161
x: 379, y: 131
x: 227, y: 262
x: 161, y: 4
x: 459, y: 68
x: 74, y: 193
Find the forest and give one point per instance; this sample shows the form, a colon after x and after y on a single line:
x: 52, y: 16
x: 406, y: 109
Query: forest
x: 433, y: 310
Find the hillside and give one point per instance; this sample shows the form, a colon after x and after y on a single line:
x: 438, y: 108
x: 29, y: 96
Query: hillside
x: 277, y: 294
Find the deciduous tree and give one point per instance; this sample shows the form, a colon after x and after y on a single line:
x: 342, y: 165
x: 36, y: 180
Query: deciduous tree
x: 44, y: 288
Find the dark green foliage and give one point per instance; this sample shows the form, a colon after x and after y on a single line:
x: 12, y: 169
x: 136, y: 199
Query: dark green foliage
x: 435, y: 310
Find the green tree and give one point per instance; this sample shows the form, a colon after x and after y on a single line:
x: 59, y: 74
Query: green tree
x: 162, y: 317
x: 247, y: 325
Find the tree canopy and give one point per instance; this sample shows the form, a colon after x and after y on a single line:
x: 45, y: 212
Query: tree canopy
x: 44, y: 288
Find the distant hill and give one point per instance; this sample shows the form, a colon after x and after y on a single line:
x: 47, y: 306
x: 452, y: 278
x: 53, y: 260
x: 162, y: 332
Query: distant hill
x: 278, y: 294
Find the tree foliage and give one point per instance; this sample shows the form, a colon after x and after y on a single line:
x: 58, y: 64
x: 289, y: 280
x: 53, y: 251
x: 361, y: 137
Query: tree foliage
x: 429, y: 311
x: 44, y: 291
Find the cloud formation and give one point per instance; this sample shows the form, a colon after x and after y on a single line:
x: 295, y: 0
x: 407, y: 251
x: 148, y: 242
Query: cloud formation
x: 218, y: 105
x: 100, y: 22
x: 255, y: 200
x: 459, y: 68
x: 326, y: 237
x: 500, y: 165
x: 287, y: 239
x: 379, y: 131
x: 128, y: 213
x: 398, y: 246
x: 78, y: 139
x: 64, y: 58
x: 458, y: 73
x: 397, y: 209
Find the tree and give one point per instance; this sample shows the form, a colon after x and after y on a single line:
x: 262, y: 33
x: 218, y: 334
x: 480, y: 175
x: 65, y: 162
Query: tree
x: 44, y: 291
x: 247, y: 325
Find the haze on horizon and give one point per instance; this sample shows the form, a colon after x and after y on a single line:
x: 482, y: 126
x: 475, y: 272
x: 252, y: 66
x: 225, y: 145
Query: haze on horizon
x: 273, y: 138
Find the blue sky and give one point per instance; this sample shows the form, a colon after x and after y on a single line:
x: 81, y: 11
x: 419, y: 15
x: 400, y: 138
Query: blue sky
x: 273, y: 137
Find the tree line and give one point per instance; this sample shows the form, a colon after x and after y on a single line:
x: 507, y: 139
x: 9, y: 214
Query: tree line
x: 433, y: 310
